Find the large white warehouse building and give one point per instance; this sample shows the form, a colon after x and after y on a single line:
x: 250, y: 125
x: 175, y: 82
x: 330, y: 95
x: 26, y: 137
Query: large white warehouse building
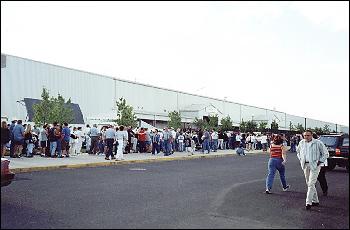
x: 23, y: 79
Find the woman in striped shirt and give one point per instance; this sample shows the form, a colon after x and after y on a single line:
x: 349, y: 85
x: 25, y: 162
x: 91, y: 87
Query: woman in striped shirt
x: 276, y: 162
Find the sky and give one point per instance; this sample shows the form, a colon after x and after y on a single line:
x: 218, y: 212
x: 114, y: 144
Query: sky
x: 288, y: 56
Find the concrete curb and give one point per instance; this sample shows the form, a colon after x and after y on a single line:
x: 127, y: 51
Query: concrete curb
x: 110, y: 163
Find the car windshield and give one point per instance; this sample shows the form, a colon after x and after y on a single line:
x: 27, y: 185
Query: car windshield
x: 346, y: 142
x: 328, y: 140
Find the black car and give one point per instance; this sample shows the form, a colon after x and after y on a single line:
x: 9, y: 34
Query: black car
x: 338, y: 148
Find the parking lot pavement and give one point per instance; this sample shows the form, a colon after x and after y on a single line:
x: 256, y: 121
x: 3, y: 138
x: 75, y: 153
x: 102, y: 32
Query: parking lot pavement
x: 203, y: 193
x: 38, y: 163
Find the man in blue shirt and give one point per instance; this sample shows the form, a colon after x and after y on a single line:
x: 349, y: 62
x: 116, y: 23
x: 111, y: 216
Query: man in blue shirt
x: 18, y: 138
x: 66, y: 138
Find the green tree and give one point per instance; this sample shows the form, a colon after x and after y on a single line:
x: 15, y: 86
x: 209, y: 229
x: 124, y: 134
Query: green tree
x: 262, y: 126
x: 300, y: 128
x: 251, y: 126
x: 175, y: 120
x: 243, y: 126
x: 318, y: 131
x: 125, y: 115
x: 213, y: 122
x: 226, y: 124
x: 274, y: 126
x: 291, y: 126
x: 200, y: 123
x: 42, y: 110
x: 326, y: 129
x: 52, y: 109
x: 61, y: 110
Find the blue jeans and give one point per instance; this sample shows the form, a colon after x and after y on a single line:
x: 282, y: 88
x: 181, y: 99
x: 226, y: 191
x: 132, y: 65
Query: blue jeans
x: 30, y: 148
x: 109, y: 143
x: 273, y: 165
x: 181, y: 146
x: 215, y: 145
x: 206, y: 145
x: 293, y: 148
x: 53, y: 146
x: 155, y: 147
x: 167, y: 147
x: 59, y: 148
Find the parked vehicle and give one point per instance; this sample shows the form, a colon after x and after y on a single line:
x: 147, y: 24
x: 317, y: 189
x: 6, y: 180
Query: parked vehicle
x: 6, y: 175
x: 338, y: 148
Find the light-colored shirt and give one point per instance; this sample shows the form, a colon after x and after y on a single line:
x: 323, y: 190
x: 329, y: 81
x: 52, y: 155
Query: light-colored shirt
x: 307, y: 151
x: 253, y: 139
x: 43, y: 135
x: 121, y: 135
x: 80, y: 136
x: 166, y: 135
x: 317, y: 152
x: 110, y: 133
x: 214, y: 136
x: 173, y: 134
x: 93, y: 132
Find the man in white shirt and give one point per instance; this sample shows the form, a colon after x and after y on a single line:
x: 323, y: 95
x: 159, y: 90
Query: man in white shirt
x: 214, y: 137
x: 121, y: 136
x: 238, y: 140
x: 253, y: 140
x: 312, y: 154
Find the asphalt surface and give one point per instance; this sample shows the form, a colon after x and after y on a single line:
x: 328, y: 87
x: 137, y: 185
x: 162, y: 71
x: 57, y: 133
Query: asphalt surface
x: 224, y: 192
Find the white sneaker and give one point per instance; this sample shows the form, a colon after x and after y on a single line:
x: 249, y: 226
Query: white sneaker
x: 286, y: 188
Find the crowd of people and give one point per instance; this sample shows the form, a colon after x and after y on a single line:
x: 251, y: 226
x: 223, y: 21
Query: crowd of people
x: 61, y: 140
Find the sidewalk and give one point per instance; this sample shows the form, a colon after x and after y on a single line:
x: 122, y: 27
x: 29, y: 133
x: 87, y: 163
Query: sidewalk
x: 38, y: 163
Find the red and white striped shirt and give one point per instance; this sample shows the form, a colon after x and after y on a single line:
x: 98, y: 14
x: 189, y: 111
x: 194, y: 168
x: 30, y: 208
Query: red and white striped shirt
x: 276, y: 151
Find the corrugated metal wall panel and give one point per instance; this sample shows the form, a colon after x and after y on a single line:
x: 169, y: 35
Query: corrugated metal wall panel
x: 96, y: 95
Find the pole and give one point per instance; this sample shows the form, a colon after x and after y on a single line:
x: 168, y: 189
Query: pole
x: 305, y: 123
